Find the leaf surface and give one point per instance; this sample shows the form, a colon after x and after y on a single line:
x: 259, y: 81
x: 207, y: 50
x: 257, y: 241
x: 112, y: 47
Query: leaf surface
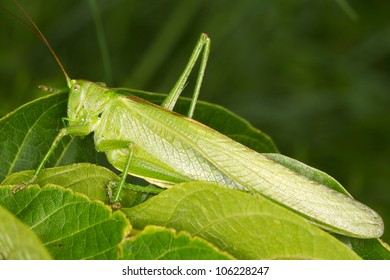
x: 368, y: 249
x: 17, y: 241
x: 69, y: 225
x: 27, y: 133
x: 247, y: 227
x: 91, y: 180
x: 158, y: 243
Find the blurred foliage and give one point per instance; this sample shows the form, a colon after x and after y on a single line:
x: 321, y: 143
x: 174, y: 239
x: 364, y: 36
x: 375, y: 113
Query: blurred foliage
x: 306, y: 72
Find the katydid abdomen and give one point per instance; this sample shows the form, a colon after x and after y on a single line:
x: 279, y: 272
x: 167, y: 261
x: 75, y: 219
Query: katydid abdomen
x: 199, y: 153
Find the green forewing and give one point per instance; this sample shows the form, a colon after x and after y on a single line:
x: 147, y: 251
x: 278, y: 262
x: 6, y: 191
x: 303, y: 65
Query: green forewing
x: 217, y: 118
x: 203, y: 154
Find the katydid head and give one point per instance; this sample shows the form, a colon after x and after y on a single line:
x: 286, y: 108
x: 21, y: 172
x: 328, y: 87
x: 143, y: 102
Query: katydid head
x: 86, y: 102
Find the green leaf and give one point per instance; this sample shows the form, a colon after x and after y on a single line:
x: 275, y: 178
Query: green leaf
x: 85, y: 178
x: 27, y: 133
x: 89, y: 179
x: 17, y: 241
x: 368, y: 249
x: 69, y: 225
x: 19, y: 145
x: 247, y: 227
x: 308, y: 172
x: 371, y: 249
x: 217, y: 118
x: 157, y: 243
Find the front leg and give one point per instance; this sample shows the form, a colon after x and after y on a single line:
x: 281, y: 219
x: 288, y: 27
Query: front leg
x: 53, y: 146
x: 71, y: 130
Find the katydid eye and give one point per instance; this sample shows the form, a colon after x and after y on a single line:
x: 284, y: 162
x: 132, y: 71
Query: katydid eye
x: 76, y: 87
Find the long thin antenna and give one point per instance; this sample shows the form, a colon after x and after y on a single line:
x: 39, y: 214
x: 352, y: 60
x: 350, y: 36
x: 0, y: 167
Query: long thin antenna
x: 38, y: 32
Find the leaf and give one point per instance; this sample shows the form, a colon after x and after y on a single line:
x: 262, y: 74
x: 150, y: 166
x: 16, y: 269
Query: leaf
x: 20, y: 149
x: 89, y: 179
x: 247, y: 227
x: 69, y: 225
x: 368, y: 249
x: 308, y: 172
x: 158, y: 243
x: 27, y: 133
x: 217, y: 118
x: 85, y: 178
x: 17, y: 241
x: 371, y: 249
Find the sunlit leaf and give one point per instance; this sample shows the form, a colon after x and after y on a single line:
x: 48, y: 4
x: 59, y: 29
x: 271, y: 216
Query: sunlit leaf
x: 247, y: 227
x: 17, y: 241
x: 69, y: 225
x: 158, y: 243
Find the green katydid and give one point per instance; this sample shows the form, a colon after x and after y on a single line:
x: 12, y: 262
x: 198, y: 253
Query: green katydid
x: 164, y: 148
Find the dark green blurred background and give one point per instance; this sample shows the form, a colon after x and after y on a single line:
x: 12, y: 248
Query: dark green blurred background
x: 308, y: 73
